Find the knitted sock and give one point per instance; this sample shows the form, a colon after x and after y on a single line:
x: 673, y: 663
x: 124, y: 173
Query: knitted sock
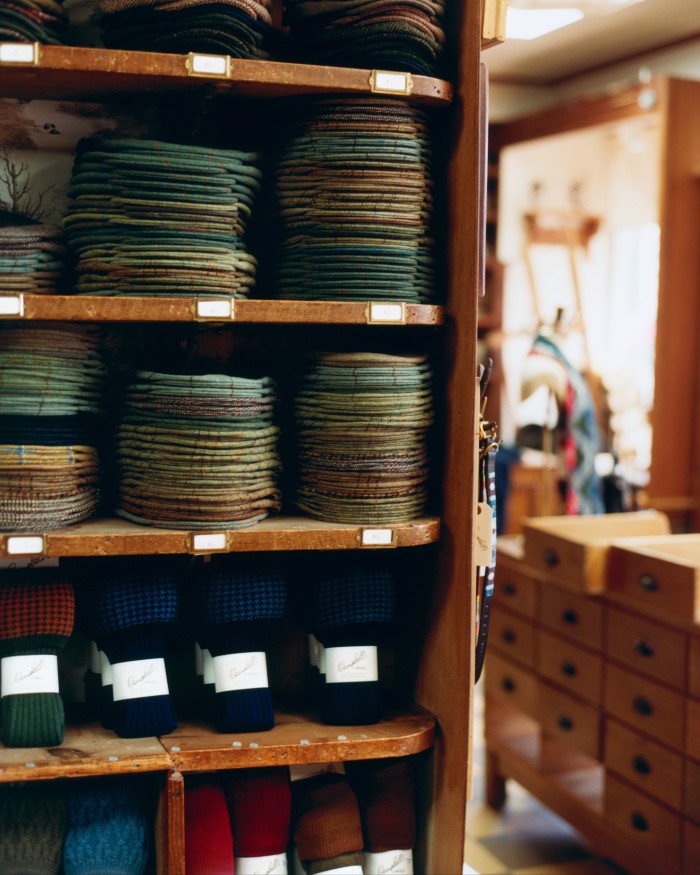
x: 134, y: 610
x: 98, y: 696
x: 32, y: 821
x: 353, y: 612
x: 385, y: 791
x: 326, y: 822
x: 208, y: 839
x: 36, y: 619
x: 243, y: 599
x: 108, y: 829
x: 260, y: 805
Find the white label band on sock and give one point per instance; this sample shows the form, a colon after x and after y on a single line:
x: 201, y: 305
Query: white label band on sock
x: 389, y: 863
x: 207, y: 666
x: 344, y: 870
x: 351, y: 664
x: 273, y: 865
x: 198, y: 660
x: 29, y: 674
x: 139, y: 679
x: 240, y: 671
x: 95, y: 663
x: 313, y: 650
x: 321, y: 658
x: 106, y: 668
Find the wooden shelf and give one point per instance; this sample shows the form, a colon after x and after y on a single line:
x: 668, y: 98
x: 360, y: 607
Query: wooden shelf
x: 85, y: 308
x: 115, y: 537
x: 76, y: 73
x: 493, y: 22
x: 298, y: 739
x: 86, y: 750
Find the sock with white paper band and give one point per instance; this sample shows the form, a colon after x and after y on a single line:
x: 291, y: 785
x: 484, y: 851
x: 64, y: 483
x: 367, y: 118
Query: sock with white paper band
x: 36, y: 619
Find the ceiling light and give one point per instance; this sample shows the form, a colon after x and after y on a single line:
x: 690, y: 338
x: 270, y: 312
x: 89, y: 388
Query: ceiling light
x: 525, y: 24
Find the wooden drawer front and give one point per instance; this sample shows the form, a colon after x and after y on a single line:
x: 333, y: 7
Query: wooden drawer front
x: 691, y: 848
x: 656, y: 585
x: 513, y: 636
x: 645, y: 705
x: 569, y: 720
x: 510, y: 682
x: 654, y: 829
x: 692, y: 736
x: 577, y: 670
x: 514, y: 589
x: 694, y: 667
x: 651, y: 767
x: 572, y: 616
x: 691, y: 800
x: 646, y: 646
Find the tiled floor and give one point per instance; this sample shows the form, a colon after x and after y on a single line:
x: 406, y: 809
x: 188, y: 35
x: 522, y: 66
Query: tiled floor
x: 524, y: 838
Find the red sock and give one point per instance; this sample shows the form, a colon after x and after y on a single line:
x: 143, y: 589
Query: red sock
x: 208, y: 840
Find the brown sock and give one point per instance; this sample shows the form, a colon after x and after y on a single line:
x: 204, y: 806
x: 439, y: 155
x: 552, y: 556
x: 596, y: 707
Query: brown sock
x: 326, y: 818
x: 385, y: 792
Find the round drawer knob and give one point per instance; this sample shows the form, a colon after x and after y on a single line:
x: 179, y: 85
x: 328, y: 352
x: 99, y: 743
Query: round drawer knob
x: 509, y: 636
x: 648, y: 583
x: 641, y: 765
x: 639, y: 822
x: 643, y: 648
x: 569, y: 616
x: 643, y: 706
x: 508, y: 685
x: 509, y: 587
x: 551, y: 557
x: 568, y: 668
x: 565, y: 723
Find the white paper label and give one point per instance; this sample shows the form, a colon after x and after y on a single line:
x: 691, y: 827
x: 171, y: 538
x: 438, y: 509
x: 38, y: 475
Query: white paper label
x: 24, y: 545
x: 106, y: 670
x: 30, y: 562
x: 301, y: 771
x: 377, y: 537
x: 390, y: 81
x: 29, y: 674
x: 16, y: 53
x: 394, y: 862
x: 343, y: 870
x: 207, y: 666
x: 210, y: 65
x: 277, y: 864
x: 139, y: 679
x: 346, y: 665
x: 386, y: 312
x: 95, y: 662
x: 240, y: 671
x: 11, y: 305
x: 321, y: 658
x: 208, y: 542
x: 198, y: 660
x: 314, y: 650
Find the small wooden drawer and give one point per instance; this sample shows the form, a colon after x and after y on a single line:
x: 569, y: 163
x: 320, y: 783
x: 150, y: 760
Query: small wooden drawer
x: 513, y: 588
x: 572, y: 550
x: 510, y: 683
x: 644, y: 763
x: 694, y: 667
x: 691, y: 848
x: 691, y: 798
x: 512, y: 636
x: 659, y: 575
x: 569, y: 720
x: 576, y: 670
x: 654, y: 829
x: 645, y: 705
x: 573, y: 616
x: 646, y: 646
x: 692, y: 743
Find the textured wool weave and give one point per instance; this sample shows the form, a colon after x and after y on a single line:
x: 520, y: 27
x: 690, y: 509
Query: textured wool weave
x: 385, y: 791
x: 260, y: 805
x: 197, y: 450
x: 352, y: 202
x: 42, y: 21
x: 108, y: 831
x: 32, y: 823
x: 362, y: 423
x: 137, y: 603
x: 32, y: 257
x: 382, y: 34
x: 208, y: 839
x: 37, y: 611
x: 148, y: 217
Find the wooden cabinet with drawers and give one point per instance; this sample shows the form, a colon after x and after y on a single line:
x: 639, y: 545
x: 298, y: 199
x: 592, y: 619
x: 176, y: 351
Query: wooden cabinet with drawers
x: 604, y: 724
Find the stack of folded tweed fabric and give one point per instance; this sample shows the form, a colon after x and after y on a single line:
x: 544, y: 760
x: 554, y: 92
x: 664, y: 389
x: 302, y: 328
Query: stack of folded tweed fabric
x: 229, y: 27
x: 33, y: 21
x: 352, y: 187
x: 32, y: 257
x: 353, y: 199
x: 404, y: 35
x: 51, y: 386
x: 154, y: 218
x: 361, y: 429
x: 195, y: 451
x: 32, y: 824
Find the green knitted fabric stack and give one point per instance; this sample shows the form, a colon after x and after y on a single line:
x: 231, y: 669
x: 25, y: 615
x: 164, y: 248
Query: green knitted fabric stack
x: 32, y: 259
x: 32, y: 824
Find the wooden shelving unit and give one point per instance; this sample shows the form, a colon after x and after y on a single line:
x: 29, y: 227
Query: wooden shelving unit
x: 438, y: 726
